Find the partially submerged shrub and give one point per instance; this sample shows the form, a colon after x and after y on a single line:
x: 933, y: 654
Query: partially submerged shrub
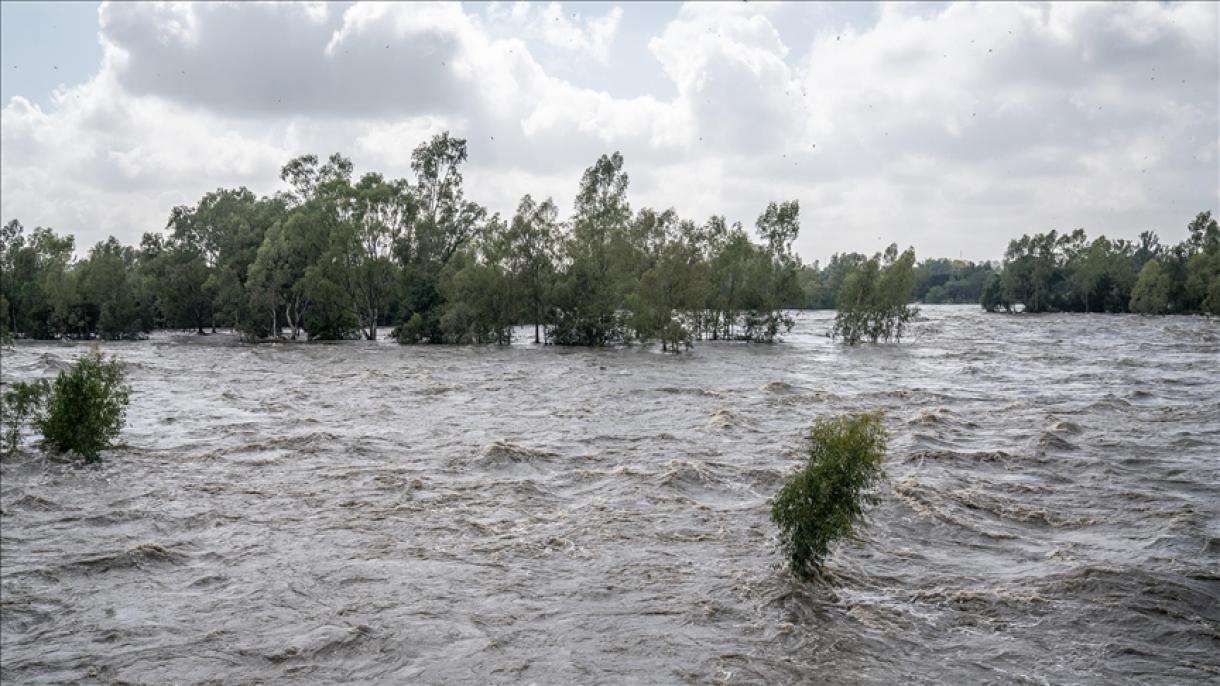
x: 87, y: 407
x: 21, y: 405
x: 824, y: 501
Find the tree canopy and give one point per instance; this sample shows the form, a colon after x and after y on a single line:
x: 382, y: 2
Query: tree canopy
x: 334, y: 256
x: 1054, y: 272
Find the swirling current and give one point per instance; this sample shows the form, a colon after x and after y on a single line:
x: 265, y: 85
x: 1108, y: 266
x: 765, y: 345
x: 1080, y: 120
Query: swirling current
x: 376, y: 513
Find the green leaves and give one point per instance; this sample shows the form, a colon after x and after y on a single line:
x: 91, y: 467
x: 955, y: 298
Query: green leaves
x: 82, y: 411
x: 21, y: 406
x: 87, y: 407
x: 1054, y: 272
x: 824, y: 502
x: 1151, y: 292
x: 873, y: 301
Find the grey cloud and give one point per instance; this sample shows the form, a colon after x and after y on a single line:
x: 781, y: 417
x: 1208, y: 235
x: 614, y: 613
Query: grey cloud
x: 1044, y: 127
x: 271, y: 59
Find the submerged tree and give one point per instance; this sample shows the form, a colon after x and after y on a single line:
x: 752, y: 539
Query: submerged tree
x: 824, y: 501
x: 778, y: 225
x: 530, y: 256
x: 670, y: 286
x: 1151, y: 292
x: 441, y: 222
x: 589, y: 293
x: 372, y: 216
x: 874, y: 302
x: 86, y: 407
x: 21, y: 406
x: 1055, y: 272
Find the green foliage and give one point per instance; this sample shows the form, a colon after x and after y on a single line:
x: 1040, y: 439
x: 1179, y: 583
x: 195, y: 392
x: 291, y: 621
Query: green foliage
x: 21, y: 406
x: 993, y: 297
x: 479, y: 291
x: 824, y: 501
x: 176, y: 273
x: 873, y: 302
x: 1055, y: 272
x: 941, y: 280
x: 439, y: 224
x: 332, y: 257
x: 86, y: 408
x: 118, y: 303
x: 1151, y: 292
x: 529, y: 254
x: 590, y: 293
x: 822, y: 286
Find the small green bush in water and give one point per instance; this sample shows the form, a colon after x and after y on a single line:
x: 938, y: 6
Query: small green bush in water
x: 20, y: 406
x: 824, y: 501
x: 87, y: 407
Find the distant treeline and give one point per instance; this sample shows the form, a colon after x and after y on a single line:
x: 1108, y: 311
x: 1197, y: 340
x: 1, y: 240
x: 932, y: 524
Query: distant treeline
x: 936, y: 281
x: 1053, y: 272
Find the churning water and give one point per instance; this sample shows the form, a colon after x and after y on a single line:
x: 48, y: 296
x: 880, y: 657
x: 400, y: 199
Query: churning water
x: 376, y: 513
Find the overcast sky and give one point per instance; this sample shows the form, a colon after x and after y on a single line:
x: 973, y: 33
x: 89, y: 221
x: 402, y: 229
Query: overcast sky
x: 952, y: 128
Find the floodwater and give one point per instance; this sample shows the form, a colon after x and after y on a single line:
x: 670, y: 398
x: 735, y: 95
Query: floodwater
x: 365, y: 512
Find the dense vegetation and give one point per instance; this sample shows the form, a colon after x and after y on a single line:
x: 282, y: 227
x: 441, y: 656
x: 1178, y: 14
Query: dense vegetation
x: 873, y: 303
x: 936, y: 280
x: 335, y: 257
x: 1052, y: 272
x: 81, y: 411
x: 21, y: 406
x: 824, y: 501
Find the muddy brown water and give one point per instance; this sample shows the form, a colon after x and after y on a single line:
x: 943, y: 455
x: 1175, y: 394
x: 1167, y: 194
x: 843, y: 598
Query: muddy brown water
x: 373, y: 513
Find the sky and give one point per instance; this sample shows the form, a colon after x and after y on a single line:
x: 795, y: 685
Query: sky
x: 951, y: 128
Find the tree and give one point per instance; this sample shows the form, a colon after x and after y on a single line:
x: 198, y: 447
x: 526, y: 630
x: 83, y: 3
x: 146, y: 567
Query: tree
x: 441, y: 222
x: 873, y: 303
x: 37, y: 282
x: 993, y: 297
x: 1068, y: 273
x: 824, y: 501
x: 779, y: 226
x: 21, y: 406
x: 1151, y: 292
x: 87, y: 406
x: 371, y: 219
x: 278, y: 285
x: 589, y: 294
x: 670, y: 290
x: 1202, y: 273
x: 118, y: 305
x: 479, y: 291
x: 530, y: 257
x: 177, y: 272
x: 225, y: 228
x: 309, y: 181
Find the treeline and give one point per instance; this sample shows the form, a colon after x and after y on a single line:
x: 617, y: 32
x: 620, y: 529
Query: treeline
x: 1053, y: 272
x: 935, y: 281
x: 334, y: 257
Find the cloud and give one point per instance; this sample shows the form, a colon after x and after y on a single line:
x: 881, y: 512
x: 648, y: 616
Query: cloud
x: 952, y: 129
x: 557, y: 27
